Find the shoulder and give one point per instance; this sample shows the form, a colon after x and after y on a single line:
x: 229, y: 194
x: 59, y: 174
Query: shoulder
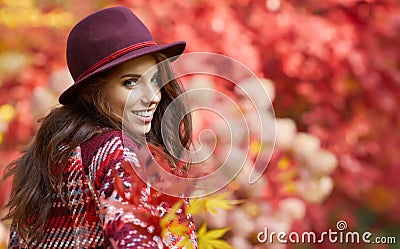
x: 106, y: 144
x: 102, y: 137
x: 109, y: 137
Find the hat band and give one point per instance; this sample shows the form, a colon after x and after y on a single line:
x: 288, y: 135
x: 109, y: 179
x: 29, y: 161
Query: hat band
x: 114, y: 56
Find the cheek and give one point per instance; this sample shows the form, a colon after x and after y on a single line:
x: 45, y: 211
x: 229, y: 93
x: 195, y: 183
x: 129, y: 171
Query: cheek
x: 132, y: 98
x: 116, y: 101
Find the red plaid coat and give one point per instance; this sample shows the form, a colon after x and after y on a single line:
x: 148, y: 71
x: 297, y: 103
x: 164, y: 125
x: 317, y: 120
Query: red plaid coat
x: 95, y: 215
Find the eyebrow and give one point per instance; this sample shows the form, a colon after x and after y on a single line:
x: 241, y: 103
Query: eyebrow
x: 134, y: 75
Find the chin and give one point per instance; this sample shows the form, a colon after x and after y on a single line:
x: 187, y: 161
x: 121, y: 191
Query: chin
x: 147, y: 130
x: 144, y: 129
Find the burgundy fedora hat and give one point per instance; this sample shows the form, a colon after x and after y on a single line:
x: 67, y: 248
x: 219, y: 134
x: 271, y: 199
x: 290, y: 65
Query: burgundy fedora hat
x: 106, y: 39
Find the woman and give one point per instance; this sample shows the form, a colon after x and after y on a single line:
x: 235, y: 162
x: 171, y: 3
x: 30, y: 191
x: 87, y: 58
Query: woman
x: 75, y: 185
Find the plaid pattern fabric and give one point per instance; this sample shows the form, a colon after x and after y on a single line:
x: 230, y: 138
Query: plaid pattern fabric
x: 95, y: 215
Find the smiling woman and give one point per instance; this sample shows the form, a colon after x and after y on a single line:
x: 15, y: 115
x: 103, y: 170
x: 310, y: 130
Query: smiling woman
x: 134, y: 95
x: 66, y: 188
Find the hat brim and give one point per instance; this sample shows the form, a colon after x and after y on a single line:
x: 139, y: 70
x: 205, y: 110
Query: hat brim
x: 171, y: 51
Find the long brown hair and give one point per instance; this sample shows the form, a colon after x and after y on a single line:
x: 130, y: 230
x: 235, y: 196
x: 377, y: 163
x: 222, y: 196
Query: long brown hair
x: 37, y: 174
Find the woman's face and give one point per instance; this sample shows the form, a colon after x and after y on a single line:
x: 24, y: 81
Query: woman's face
x: 133, y: 99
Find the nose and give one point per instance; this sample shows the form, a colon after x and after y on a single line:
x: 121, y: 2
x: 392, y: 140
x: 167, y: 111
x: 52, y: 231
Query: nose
x: 151, y: 93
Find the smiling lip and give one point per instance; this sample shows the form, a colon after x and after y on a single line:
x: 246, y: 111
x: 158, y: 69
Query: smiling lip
x: 144, y: 116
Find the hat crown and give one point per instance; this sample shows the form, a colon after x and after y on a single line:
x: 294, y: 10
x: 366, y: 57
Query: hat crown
x: 101, y: 34
x: 106, y: 39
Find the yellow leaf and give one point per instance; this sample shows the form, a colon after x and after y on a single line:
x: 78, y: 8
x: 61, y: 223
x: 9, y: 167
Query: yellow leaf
x: 186, y: 243
x: 203, y: 230
x: 196, y: 206
x: 211, y: 204
x: 220, y: 201
x: 217, y: 233
x: 284, y: 163
x: 255, y: 147
x: 170, y: 216
x: 178, y: 229
x: 210, y: 239
x: 221, y: 244
x: 7, y: 112
x: 290, y: 187
x: 19, y: 3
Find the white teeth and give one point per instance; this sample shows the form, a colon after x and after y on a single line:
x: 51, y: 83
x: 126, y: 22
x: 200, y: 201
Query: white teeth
x: 144, y: 113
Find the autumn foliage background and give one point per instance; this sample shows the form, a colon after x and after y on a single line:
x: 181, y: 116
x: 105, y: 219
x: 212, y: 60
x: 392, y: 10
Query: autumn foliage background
x: 335, y: 68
